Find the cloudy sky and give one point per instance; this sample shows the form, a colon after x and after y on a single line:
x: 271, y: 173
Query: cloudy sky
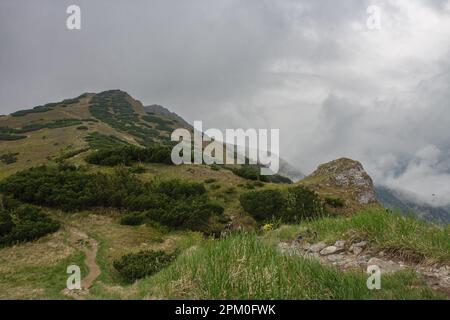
x: 311, y: 68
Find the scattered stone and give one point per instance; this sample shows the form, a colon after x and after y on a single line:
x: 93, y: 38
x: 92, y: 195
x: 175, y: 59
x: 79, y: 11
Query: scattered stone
x: 385, y: 266
x: 317, y: 247
x: 361, y: 244
x: 340, y: 243
x: 331, y: 250
x: 357, y: 248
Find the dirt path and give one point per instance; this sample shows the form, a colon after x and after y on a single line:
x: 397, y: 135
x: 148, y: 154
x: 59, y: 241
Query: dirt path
x: 89, y: 246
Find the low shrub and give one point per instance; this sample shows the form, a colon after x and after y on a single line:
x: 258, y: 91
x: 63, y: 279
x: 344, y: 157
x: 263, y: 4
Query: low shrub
x: 10, y: 137
x: 9, y: 158
x: 173, y: 203
x: 133, y: 219
x: 264, y: 204
x: 24, y: 223
x: 100, y: 141
x: 137, y: 169
x: 303, y: 204
x: 215, y: 167
x: 297, y: 204
x: 127, y: 155
x: 335, y: 202
x: 135, y: 266
x: 247, y: 172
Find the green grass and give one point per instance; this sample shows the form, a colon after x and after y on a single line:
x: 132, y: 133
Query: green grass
x: 400, y: 236
x: 41, y: 282
x: 242, y: 266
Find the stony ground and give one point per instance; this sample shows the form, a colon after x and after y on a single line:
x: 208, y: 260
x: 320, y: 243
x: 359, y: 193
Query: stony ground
x: 358, y: 256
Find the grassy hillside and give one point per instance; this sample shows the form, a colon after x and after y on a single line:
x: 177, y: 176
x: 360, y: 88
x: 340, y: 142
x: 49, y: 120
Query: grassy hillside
x: 91, y: 121
x: 213, y: 219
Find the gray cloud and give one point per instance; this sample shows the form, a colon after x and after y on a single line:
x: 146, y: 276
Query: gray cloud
x: 310, y: 68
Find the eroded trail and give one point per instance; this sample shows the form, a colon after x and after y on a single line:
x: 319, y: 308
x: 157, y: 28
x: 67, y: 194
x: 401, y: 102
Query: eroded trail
x: 89, y: 246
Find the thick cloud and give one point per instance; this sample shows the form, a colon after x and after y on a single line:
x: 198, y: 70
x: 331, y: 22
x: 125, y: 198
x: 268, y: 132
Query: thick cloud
x: 311, y: 68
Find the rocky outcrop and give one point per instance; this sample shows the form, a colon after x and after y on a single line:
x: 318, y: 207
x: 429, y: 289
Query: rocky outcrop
x: 343, y: 178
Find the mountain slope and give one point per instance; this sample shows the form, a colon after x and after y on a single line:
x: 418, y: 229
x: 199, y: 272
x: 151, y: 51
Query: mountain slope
x: 397, y: 200
x: 74, y: 126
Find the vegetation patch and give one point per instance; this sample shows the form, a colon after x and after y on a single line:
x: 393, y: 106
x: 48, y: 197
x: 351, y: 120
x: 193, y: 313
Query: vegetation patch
x: 252, y: 172
x: 113, y: 108
x: 67, y: 154
x: 100, y: 141
x: 10, y: 134
x: 47, y: 107
x: 157, y: 120
x: 38, y: 109
x: 335, y: 202
x: 242, y: 266
x: 9, y: 158
x: 402, y: 237
x: 173, y: 203
x: 20, y: 223
x: 135, y: 266
x: 130, y: 154
x: 296, y: 205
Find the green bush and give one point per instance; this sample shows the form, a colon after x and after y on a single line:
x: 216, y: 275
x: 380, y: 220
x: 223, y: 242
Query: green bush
x: 276, y: 178
x: 247, y: 172
x: 335, y: 202
x: 264, y: 204
x: 137, y: 169
x: 174, y: 203
x: 215, y: 167
x: 24, y: 223
x: 192, y: 214
x: 129, y: 154
x: 133, y: 219
x: 135, y: 266
x: 10, y: 137
x: 302, y: 204
x: 178, y: 189
x: 100, y: 141
x: 9, y: 158
x: 299, y: 204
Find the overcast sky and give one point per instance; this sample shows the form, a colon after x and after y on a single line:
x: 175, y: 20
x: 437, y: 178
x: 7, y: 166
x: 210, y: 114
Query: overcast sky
x: 311, y: 68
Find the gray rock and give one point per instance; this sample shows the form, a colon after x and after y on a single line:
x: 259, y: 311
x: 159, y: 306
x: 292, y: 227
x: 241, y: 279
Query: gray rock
x: 384, y: 265
x: 361, y: 244
x: 330, y: 250
x: 317, y: 247
x: 356, y: 250
x: 340, y: 243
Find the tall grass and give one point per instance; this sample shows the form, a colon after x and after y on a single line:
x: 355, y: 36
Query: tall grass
x: 242, y: 266
x: 385, y: 230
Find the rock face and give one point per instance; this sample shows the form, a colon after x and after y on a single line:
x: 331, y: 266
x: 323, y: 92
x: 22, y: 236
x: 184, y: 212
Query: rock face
x: 343, y: 178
